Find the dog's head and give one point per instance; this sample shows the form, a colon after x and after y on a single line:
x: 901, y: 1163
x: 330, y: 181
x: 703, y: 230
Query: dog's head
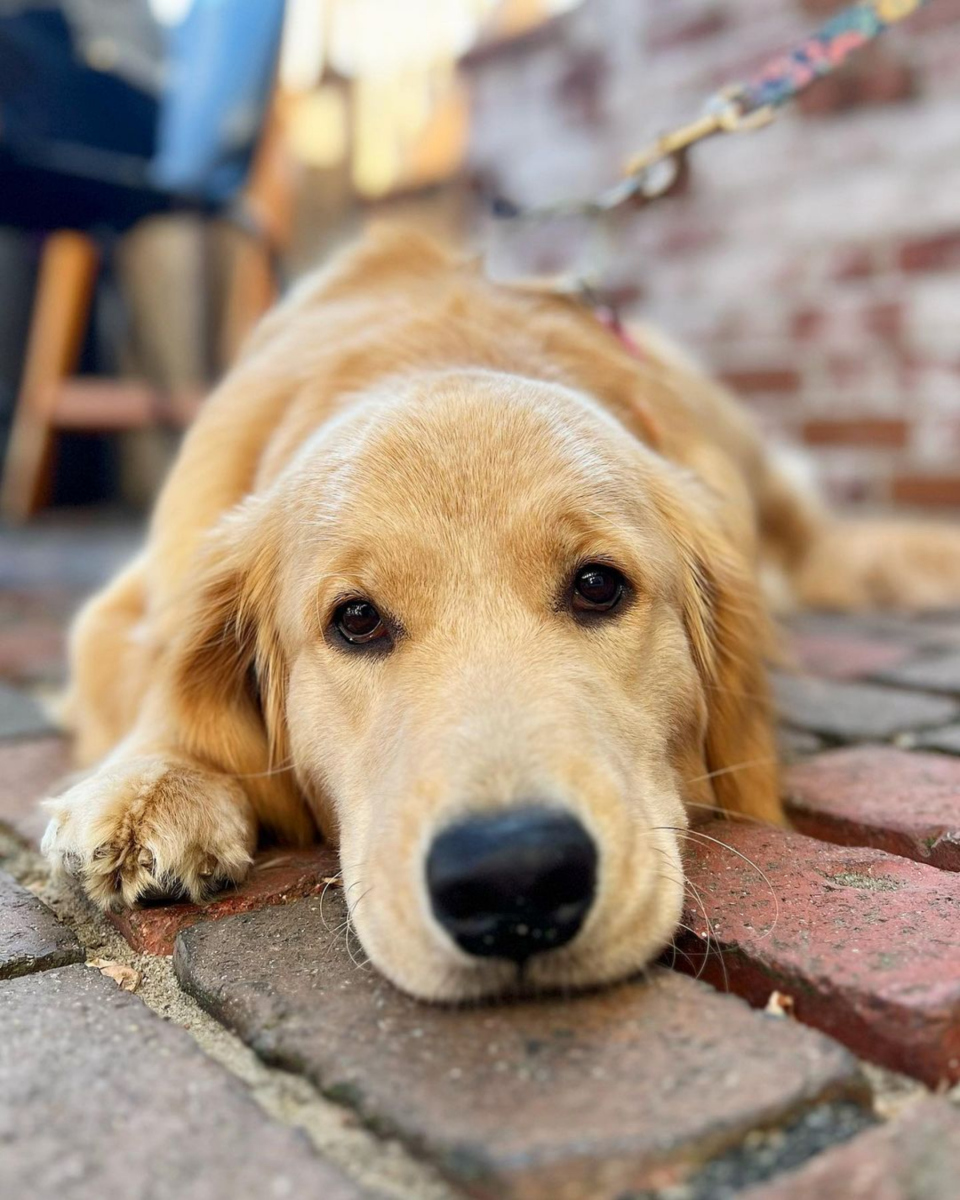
x: 503, y: 646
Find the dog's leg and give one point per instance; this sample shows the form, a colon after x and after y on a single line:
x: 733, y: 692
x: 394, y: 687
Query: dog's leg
x: 177, y: 804
x: 109, y: 666
x: 147, y: 825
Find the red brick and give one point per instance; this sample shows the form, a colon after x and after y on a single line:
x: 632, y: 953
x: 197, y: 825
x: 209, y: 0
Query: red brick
x: 666, y: 34
x: 936, y: 16
x: 846, y: 657
x: 864, y: 942
x: 832, y: 94
x: 808, y: 324
x: 916, y: 1155
x: 877, y: 76
x: 579, y: 89
x: 930, y: 491
x: 856, y: 431
x: 28, y: 771
x: 885, y: 320
x: 277, y: 877
x: 847, y: 370
x: 854, y: 262
x: 887, y: 79
x: 938, y: 253
x: 821, y: 8
x: 904, y: 803
x: 554, y: 1098
x: 762, y: 380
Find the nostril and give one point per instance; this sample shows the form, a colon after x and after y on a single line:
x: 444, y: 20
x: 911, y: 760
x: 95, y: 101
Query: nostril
x: 512, y: 884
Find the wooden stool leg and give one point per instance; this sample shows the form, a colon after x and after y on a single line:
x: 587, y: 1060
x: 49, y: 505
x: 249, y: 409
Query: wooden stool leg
x: 61, y: 311
x: 252, y: 290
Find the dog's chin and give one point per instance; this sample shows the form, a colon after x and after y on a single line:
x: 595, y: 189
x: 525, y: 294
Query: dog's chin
x: 440, y: 976
x: 451, y: 981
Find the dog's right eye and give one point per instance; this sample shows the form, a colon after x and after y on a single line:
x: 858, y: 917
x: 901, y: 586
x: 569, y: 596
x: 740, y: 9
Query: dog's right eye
x: 359, y: 623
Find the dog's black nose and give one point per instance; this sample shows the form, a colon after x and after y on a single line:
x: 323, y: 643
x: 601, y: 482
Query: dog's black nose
x: 512, y: 884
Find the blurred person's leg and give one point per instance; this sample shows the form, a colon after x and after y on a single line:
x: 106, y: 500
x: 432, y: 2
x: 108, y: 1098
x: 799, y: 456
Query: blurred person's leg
x: 161, y: 271
x: 18, y: 275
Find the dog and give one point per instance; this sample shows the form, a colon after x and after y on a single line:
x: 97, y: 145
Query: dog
x: 448, y: 574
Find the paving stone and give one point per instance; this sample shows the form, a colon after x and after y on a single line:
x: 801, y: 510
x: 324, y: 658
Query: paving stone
x: 922, y: 629
x: 101, y: 1098
x: 28, y: 772
x: 277, y: 877
x: 916, y: 631
x: 929, y: 673
x: 66, y: 554
x: 850, y: 712
x: 32, y: 651
x: 902, y: 802
x: 20, y: 715
x: 769, y: 1153
x: 914, y: 1157
x: 31, y: 937
x: 42, y: 602
x: 865, y: 942
x: 794, y: 745
x: 946, y: 740
x: 560, y: 1098
x: 847, y: 656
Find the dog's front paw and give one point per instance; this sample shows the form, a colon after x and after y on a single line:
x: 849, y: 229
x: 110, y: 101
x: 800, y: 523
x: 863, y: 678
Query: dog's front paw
x: 150, y: 827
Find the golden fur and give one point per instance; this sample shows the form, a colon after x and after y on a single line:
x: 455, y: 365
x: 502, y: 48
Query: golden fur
x: 402, y: 429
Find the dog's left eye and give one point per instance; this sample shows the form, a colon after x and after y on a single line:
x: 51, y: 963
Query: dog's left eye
x: 597, y: 587
x: 359, y: 623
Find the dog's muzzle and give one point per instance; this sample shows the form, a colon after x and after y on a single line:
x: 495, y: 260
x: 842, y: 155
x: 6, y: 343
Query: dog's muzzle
x: 512, y: 884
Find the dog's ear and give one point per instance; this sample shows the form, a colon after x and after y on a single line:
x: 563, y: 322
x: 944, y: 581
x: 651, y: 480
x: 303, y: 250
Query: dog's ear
x: 731, y: 638
x: 728, y: 629
x: 226, y: 674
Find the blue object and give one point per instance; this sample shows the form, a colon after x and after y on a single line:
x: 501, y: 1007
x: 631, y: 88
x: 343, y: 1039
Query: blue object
x: 85, y: 146
x: 222, y: 58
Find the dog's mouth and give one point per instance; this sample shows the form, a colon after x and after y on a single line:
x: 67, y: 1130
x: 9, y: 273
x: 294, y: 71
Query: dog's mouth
x: 518, y: 903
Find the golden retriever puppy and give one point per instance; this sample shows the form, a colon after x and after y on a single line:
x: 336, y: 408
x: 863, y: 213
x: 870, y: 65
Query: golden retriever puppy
x: 447, y: 573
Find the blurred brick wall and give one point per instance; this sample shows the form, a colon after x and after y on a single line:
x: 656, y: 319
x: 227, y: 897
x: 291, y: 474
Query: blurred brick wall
x: 816, y: 264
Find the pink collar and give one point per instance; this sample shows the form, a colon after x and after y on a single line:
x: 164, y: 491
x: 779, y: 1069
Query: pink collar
x: 611, y: 319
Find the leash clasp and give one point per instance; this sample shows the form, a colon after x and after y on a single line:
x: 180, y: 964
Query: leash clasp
x: 725, y: 113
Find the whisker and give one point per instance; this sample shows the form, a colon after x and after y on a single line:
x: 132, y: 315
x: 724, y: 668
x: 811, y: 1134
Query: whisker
x: 323, y: 919
x: 278, y: 770
x: 695, y: 833
x: 729, y: 691
x: 719, y: 811
x: 741, y: 766
x: 708, y: 935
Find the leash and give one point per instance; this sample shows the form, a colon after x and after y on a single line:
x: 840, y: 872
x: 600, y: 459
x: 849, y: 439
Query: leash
x: 651, y: 173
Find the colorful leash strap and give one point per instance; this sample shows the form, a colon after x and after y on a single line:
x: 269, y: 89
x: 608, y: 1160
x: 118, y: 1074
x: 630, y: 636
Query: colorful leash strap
x: 744, y: 106
x: 827, y: 49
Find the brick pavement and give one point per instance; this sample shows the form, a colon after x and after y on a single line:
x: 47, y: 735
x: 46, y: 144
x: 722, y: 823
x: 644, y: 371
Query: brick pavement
x: 648, y: 1086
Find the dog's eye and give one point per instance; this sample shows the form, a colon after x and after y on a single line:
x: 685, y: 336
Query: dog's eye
x: 359, y: 623
x: 597, y: 588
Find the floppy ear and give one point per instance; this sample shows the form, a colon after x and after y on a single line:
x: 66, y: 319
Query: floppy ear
x: 731, y: 637
x: 728, y: 629
x: 226, y: 677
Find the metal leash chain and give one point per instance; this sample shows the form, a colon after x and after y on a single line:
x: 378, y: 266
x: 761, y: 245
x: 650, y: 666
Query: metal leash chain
x: 739, y: 108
